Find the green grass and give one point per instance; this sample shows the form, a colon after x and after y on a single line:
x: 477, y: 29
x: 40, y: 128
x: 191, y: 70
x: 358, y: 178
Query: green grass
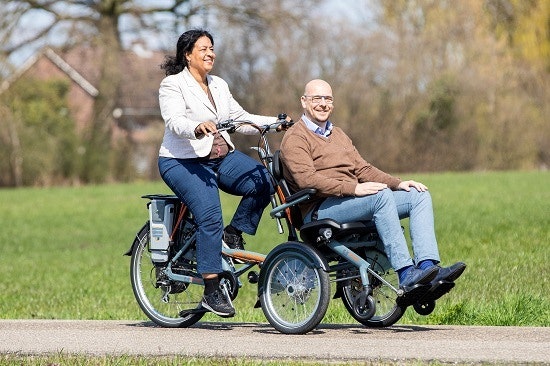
x: 62, y: 251
x: 65, y: 359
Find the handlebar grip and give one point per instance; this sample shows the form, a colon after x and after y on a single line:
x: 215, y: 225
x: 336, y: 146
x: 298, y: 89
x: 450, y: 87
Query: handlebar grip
x: 281, y: 118
x: 224, y: 124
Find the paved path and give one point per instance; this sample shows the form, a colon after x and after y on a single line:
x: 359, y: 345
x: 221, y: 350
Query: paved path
x: 327, y: 343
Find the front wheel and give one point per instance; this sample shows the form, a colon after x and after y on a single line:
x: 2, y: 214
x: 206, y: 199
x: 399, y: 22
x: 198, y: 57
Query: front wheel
x: 388, y: 312
x: 295, y: 288
x: 166, y: 302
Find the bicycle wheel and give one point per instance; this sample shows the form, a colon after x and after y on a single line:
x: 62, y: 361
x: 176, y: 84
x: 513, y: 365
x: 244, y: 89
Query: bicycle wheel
x: 388, y: 312
x: 166, y: 302
x: 296, y: 289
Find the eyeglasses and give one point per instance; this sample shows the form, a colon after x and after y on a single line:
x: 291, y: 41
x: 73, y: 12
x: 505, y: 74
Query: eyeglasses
x: 317, y: 99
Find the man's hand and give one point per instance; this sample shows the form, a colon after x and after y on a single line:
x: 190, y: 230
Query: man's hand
x: 366, y: 188
x: 407, y: 184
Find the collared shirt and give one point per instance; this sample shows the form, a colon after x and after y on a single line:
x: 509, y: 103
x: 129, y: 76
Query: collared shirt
x: 315, y: 127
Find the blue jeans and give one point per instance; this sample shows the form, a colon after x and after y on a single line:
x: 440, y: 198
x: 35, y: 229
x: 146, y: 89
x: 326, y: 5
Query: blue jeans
x: 386, y: 208
x: 196, y: 183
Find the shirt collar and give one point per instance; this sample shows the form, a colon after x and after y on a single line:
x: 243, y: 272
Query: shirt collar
x: 315, y: 127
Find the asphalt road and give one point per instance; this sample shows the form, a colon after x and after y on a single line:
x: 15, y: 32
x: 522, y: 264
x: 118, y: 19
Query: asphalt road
x: 336, y: 342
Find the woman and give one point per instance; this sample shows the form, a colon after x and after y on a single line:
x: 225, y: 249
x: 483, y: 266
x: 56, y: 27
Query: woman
x: 195, y: 159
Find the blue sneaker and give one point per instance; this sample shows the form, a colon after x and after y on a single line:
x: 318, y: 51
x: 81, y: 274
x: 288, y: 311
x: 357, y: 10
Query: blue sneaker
x: 443, y: 282
x: 416, y: 284
x: 416, y: 276
x: 449, y: 274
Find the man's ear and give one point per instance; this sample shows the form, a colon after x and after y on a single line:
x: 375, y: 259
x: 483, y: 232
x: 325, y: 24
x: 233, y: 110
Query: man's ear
x: 303, y: 101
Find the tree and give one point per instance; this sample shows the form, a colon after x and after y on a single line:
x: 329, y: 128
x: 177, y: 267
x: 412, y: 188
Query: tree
x: 38, y: 117
x: 423, y: 84
x: 109, y: 26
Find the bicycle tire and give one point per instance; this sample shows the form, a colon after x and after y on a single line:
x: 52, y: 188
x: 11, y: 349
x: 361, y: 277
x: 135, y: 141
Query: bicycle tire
x: 296, y: 290
x: 164, y: 303
x: 388, y: 311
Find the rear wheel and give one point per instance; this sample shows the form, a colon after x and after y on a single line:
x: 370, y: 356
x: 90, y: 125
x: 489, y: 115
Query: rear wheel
x: 166, y: 302
x: 388, y: 312
x: 296, y: 290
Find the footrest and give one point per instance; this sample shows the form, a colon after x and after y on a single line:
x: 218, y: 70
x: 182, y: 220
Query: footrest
x: 437, y: 290
x: 413, y: 294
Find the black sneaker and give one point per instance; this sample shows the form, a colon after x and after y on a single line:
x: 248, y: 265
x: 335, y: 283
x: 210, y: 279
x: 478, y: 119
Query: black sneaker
x: 233, y: 241
x: 217, y: 303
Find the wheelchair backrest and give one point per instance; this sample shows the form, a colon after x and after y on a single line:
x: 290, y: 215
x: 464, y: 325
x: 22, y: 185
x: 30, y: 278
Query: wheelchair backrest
x: 294, y: 214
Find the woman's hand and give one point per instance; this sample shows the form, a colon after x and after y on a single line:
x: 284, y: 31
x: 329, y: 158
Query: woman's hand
x: 407, y: 184
x: 285, y: 126
x: 205, y: 128
x: 366, y: 188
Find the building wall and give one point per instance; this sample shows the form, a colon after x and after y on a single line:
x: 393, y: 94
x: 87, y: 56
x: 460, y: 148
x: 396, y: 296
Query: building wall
x: 79, y: 102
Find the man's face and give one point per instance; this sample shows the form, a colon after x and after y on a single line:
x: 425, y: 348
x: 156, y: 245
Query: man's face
x: 318, y: 101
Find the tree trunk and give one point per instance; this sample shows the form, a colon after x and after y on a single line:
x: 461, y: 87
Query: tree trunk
x: 98, y: 150
x: 16, y: 156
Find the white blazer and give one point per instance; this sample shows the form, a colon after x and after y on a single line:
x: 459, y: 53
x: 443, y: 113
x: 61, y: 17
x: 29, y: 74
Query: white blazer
x: 184, y: 105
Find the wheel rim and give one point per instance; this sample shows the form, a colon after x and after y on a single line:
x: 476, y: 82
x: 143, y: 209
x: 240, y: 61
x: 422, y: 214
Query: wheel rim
x: 385, y: 298
x: 294, y: 291
x: 162, y: 304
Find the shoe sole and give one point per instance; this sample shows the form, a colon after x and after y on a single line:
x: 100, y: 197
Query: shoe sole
x: 219, y: 313
x: 455, y: 274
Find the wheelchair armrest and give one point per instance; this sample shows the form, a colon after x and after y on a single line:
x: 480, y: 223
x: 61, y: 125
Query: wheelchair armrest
x: 304, y: 192
x: 293, y: 200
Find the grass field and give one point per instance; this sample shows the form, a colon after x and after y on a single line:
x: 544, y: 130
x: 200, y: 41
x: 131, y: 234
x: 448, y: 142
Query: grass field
x: 62, y: 251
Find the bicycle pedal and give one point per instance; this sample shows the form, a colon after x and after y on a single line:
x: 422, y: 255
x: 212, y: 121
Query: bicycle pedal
x: 253, y: 277
x: 188, y: 312
x: 162, y: 283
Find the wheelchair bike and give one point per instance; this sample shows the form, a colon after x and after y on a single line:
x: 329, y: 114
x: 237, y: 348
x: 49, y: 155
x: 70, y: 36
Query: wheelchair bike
x: 294, y: 280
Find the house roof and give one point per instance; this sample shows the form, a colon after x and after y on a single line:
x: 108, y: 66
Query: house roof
x: 60, y: 63
x: 140, y: 72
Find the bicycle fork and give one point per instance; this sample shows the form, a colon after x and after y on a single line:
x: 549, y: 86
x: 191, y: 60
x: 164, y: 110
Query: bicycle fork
x: 361, y: 264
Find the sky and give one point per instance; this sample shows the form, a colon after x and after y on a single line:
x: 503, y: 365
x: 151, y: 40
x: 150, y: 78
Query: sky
x: 330, y: 8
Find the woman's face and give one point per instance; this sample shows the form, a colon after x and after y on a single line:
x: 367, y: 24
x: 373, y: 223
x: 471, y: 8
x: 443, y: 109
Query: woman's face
x: 202, y: 57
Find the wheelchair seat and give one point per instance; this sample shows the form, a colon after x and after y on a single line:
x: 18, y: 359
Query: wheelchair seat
x: 311, y: 231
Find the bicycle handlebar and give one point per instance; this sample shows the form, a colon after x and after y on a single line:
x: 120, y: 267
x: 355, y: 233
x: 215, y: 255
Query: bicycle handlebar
x: 231, y: 125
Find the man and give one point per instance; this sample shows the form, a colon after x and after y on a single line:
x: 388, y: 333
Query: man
x: 317, y: 154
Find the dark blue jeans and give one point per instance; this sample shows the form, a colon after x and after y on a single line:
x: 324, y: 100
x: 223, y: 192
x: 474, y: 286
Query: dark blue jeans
x: 196, y: 183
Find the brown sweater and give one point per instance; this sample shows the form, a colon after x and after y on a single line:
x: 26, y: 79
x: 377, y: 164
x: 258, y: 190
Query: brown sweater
x: 332, y: 165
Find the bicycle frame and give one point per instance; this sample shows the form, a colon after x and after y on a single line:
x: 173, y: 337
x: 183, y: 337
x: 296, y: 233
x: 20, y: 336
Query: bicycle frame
x: 249, y: 258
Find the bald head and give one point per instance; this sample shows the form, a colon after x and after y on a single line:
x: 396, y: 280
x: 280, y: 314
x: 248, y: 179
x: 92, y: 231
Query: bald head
x: 318, y: 87
x: 317, y: 102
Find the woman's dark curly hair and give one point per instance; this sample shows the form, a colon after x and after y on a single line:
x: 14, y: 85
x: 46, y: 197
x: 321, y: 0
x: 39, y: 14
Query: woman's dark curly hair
x: 175, y: 64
